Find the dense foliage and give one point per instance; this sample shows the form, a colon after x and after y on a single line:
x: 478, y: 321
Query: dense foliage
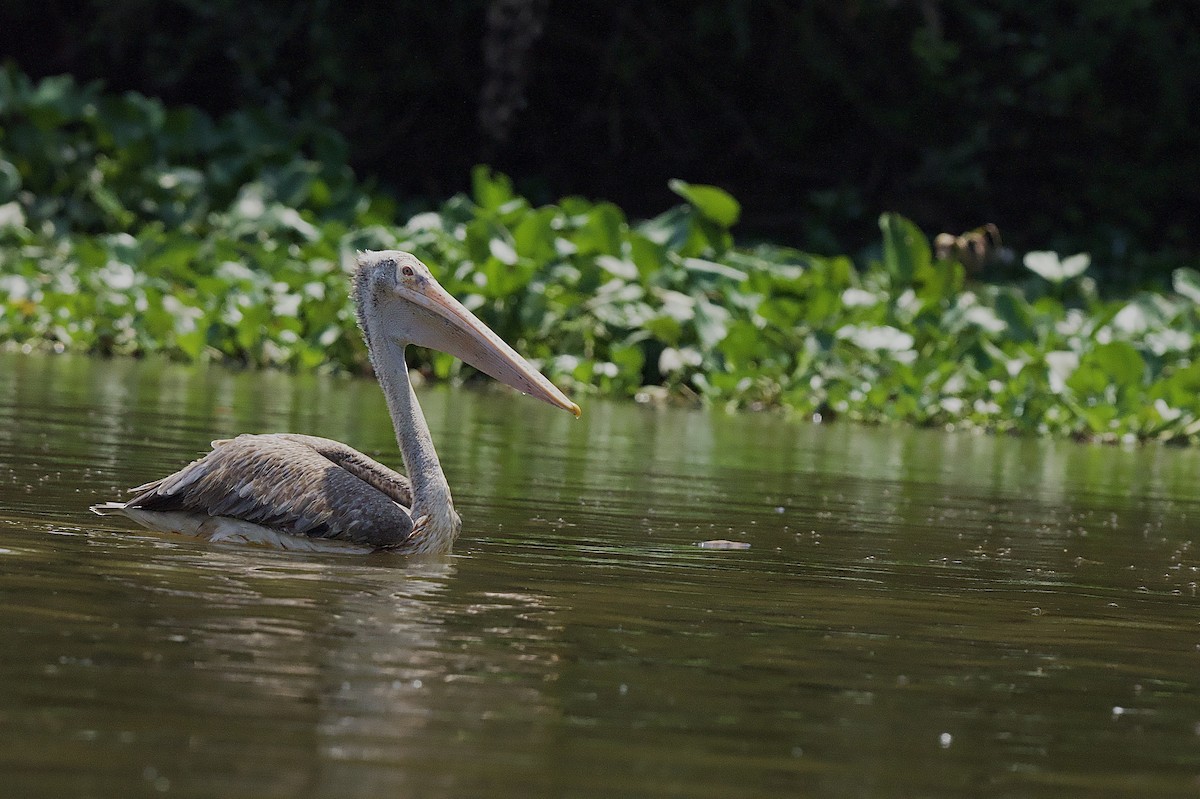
x: 127, y: 227
x: 1069, y: 124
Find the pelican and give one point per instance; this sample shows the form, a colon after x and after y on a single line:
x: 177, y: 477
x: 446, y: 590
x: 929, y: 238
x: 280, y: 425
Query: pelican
x: 305, y: 492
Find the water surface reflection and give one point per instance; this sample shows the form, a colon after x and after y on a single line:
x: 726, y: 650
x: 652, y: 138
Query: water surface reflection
x: 919, y: 613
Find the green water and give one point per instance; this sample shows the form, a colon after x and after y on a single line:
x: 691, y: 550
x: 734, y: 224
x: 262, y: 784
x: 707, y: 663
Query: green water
x: 918, y: 614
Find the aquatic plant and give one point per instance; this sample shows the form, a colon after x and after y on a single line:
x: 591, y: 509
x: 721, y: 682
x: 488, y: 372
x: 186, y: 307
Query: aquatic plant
x: 130, y: 228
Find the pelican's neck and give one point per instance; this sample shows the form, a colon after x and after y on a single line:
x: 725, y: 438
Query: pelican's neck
x: 430, y: 491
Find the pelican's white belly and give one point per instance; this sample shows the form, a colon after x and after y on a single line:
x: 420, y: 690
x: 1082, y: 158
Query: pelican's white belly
x: 225, y: 529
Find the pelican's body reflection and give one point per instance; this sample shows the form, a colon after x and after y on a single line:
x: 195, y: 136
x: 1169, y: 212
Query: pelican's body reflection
x: 343, y: 676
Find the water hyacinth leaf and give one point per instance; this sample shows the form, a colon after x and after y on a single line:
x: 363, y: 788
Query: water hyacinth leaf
x: 676, y: 304
x: 986, y: 319
x: 319, y: 193
x: 477, y: 236
x: 603, y: 231
x: 10, y: 181
x: 703, y: 266
x: 647, y: 256
x: 56, y: 100
x: 882, y: 337
x: 1118, y: 360
x: 1060, y: 365
x: 672, y: 360
x: 1143, y: 313
x: 108, y: 202
x: 664, y: 329
x: 783, y: 312
x: 905, y: 249
x: 1015, y: 311
x: 1099, y: 417
x: 290, y: 219
x: 712, y: 322
x: 671, y: 230
x: 131, y: 118
x: 117, y: 276
x: 1180, y: 387
x: 617, y: 267
x: 860, y: 298
x: 191, y: 341
x: 491, y: 190
x: 502, y: 251
x: 292, y: 183
x: 1132, y: 319
x: 12, y: 217
x: 1075, y: 265
x: 533, y: 236
x: 501, y: 279
x: 942, y: 281
x: 1165, y: 340
x: 714, y: 203
x: 1186, y: 282
x: 123, y: 246
x: 745, y: 344
x: 629, y: 360
x: 839, y: 272
x: 1047, y: 265
x: 237, y: 273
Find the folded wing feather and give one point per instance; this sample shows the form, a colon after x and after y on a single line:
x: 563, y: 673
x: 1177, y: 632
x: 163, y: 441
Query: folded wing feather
x: 301, y: 485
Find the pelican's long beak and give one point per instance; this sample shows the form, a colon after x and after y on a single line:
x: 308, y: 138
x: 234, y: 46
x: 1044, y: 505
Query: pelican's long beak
x: 441, y: 322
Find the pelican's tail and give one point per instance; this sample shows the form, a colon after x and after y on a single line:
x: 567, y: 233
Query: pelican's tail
x: 109, y: 508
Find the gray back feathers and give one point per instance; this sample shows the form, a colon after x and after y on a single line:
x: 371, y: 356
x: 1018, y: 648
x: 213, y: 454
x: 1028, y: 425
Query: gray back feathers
x: 302, y: 485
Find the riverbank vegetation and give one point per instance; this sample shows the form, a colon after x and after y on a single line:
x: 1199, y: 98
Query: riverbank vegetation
x: 130, y: 228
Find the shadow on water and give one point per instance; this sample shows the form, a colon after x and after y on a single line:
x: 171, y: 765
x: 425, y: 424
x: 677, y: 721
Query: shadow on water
x: 918, y: 613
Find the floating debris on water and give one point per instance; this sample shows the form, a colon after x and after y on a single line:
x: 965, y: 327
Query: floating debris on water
x: 722, y: 543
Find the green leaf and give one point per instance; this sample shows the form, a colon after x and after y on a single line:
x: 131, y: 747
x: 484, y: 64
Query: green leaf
x: 1014, y: 310
x: 712, y: 322
x: 664, y: 328
x: 1122, y: 363
x: 1186, y: 282
x: 675, y: 230
x: 703, y: 266
x: 602, y: 232
x: 630, y: 360
x: 712, y: 202
x: 533, y: 236
x: 490, y: 189
x: 648, y: 257
x: 10, y: 181
x: 1089, y: 380
x: 12, y: 217
x: 502, y: 251
x: 942, y: 281
x: 1047, y: 265
x: 905, y: 249
x: 1181, y: 387
x: 617, y: 267
x: 1099, y: 418
x: 1061, y: 365
x: 881, y: 337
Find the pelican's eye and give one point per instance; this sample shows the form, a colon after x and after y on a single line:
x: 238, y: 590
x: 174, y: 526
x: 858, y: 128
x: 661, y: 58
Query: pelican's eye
x: 407, y: 271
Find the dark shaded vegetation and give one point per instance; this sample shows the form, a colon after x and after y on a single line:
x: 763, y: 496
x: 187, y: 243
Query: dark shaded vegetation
x: 1070, y: 125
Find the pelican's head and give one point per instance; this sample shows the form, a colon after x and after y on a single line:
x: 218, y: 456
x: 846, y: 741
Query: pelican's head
x: 399, y: 300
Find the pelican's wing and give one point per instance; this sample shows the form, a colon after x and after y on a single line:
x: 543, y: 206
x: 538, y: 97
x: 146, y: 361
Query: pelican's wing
x: 282, y: 482
x: 367, y: 469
